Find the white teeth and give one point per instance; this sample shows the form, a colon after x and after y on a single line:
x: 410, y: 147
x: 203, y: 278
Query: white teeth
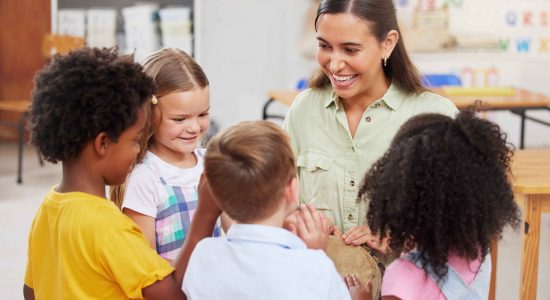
x: 343, y: 78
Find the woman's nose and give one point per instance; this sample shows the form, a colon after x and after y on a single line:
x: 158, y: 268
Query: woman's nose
x: 336, y: 63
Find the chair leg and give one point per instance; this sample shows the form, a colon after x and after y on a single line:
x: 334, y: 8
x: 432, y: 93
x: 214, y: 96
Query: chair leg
x: 40, y: 160
x: 21, y: 137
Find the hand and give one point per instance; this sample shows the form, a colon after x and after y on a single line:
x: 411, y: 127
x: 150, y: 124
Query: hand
x: 332, y: 229
x: 310, y: 226
x: 357, y: 289
x: 360, y: 235
x: 291, y: 221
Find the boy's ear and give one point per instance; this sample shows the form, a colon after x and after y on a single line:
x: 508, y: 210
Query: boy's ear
x: 291, y: 192
x: 101, y: 142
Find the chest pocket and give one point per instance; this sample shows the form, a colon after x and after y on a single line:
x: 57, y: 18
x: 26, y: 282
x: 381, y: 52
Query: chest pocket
x: 318, y: 182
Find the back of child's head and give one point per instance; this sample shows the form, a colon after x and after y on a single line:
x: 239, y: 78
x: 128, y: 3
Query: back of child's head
x: 248, y: 166
x: 84, y: 93
x: 173, y: 71
x: 442, y: 187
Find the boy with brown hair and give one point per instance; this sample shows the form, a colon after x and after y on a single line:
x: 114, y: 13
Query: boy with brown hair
x: 250, y: 169
x: 88, y: 113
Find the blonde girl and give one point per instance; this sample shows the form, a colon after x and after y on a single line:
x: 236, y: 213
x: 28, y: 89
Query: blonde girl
x: 161, y: 191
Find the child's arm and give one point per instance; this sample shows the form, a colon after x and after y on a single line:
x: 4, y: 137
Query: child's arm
x: 145, y: 223
x: 202, y: 225
x: 28, y: 293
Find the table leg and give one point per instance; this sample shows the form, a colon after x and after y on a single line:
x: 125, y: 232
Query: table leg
x: 531, y: 238
x: 522, y: 130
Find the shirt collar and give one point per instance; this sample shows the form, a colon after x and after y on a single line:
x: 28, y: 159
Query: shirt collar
x: 265, y: 234
x: 392, y: 98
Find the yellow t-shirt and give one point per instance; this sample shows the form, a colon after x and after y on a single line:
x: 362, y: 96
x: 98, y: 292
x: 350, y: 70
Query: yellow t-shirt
x: 330, y: 162
x: 82, y: 247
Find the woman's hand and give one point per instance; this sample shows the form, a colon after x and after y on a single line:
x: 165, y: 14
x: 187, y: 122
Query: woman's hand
x: 360, y: 235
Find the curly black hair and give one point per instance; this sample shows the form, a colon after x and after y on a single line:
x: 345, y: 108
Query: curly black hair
x: 442, y: 187
x: 81, y: 94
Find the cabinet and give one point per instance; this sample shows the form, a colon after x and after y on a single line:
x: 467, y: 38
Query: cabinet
x: 136, y: 30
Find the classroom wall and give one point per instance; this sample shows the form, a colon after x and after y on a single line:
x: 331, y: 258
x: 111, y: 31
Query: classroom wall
x: 246, y: 48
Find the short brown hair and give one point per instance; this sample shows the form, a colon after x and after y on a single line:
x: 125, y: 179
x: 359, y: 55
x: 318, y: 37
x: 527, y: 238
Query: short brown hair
x: 248, y: 166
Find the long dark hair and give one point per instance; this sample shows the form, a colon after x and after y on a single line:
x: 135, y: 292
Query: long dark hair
x: 381, y: 16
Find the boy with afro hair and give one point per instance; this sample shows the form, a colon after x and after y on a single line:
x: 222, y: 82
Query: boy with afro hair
x: 87, y: 113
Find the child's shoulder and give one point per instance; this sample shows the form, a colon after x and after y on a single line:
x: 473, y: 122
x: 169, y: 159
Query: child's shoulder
x: 405, y: 280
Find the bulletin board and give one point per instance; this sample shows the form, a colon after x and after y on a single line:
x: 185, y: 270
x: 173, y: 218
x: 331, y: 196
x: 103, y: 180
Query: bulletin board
x: 513, y: 26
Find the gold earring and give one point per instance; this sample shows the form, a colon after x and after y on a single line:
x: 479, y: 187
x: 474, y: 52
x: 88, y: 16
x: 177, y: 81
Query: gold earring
x: 154, y: 100
x: 385, y: 61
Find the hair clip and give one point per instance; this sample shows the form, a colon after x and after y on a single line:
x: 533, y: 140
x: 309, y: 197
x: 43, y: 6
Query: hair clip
x: 154, y: 100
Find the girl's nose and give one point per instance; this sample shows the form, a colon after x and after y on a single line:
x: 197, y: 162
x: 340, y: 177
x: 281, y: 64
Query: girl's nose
x: 194, y: 126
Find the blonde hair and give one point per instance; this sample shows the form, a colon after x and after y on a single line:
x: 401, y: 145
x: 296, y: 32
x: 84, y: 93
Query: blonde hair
x: 173, y: 71
x: 248, y: 166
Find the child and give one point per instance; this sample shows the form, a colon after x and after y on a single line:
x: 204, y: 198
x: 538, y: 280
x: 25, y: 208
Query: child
x: 87, y: 112
x: 161, y: 192
x: 250, y: 169
x: 442, y: 194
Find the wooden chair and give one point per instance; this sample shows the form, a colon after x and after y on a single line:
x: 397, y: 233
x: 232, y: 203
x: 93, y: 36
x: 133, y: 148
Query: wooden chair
x: 51, y: 44
x: 21, y: 107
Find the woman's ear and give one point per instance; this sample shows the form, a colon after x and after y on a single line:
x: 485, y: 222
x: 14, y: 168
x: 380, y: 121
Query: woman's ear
x: 101, y: 142
x: 390, y: 42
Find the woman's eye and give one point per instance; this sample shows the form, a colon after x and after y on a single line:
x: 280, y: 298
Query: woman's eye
x: 204, y: 114
x: 351, y: 50
x: 323, y: 46
x: 179, y: 119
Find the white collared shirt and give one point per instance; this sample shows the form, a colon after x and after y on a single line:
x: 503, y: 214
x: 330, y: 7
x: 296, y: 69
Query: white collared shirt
x: 260, y: 262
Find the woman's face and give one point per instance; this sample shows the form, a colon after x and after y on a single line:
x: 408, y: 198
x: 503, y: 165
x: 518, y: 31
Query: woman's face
x: 350, y: 56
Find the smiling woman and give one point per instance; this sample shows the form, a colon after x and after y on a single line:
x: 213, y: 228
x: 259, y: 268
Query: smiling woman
x: 365, y: 89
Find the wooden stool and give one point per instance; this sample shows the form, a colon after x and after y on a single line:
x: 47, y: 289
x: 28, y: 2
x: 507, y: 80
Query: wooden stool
x: 21, y: 107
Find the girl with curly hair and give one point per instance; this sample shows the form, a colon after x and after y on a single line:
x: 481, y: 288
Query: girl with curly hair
x: 161, y: 192
x: 441, y: 194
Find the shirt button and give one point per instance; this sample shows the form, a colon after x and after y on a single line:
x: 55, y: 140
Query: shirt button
x: 350, y: 217
x: 352, y: 183
x: 367, y: 119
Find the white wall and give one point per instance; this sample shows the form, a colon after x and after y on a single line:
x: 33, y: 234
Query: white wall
x: 246, y: 48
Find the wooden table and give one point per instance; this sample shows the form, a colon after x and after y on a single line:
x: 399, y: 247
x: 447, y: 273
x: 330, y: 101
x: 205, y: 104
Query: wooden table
x: 531, y: 183
x: 517, y: 102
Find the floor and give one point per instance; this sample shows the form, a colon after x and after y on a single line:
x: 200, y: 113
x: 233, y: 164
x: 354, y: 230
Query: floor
x: 18, y: 204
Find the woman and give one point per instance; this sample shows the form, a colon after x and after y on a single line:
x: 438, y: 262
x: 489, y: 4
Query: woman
x: 365, y: 89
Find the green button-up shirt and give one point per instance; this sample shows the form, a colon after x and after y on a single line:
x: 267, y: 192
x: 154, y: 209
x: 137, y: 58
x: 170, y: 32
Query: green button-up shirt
x: 330, y: 162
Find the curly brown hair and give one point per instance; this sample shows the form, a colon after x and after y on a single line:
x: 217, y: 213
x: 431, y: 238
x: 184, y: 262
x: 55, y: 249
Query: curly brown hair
x: 442, y: 187
x: 81, y: 94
